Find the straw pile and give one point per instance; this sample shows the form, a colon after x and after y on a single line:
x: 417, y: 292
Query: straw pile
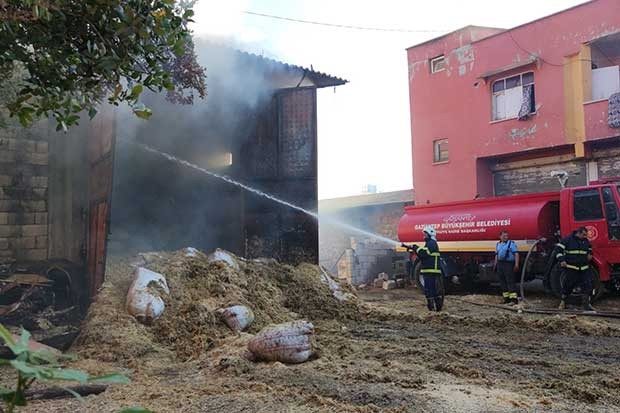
x: 190, y: 326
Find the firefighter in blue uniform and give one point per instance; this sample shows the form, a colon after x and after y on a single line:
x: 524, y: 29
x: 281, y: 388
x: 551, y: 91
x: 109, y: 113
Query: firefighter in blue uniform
x: 430, y: 270
x: 574, y: 254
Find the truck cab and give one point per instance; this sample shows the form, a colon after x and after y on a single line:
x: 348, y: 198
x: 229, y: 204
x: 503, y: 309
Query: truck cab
x: 596, y: 207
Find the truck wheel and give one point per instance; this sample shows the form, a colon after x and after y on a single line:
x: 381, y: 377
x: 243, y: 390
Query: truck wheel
x: 555, y: 281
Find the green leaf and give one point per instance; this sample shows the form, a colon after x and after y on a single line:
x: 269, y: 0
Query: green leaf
x: 25, y: 337
x: 72, y: 120
x: 92, y: 112
x: 61, y: 126
x: 46, y: 356
x: 142, y: 112
x: 6, y: 336
x: 168, y: 84
x: 68, y: 375
x: 27, y: 369
x: 135, y: 92
x: 114, y: 378
x: 179, y: 47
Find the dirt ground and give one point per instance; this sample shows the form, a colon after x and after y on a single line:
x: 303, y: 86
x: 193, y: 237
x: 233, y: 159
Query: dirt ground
x: 395, y: 357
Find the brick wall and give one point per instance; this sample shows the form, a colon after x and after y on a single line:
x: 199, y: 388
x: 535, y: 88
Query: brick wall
x: 23, y: 193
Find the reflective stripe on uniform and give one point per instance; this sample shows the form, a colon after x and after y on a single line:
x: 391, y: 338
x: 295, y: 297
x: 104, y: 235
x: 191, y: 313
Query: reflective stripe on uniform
x: 577, y: 252
x: 574, y: 267
x: 561, y: 245
x: 512, y: 295
x: 430, y: 270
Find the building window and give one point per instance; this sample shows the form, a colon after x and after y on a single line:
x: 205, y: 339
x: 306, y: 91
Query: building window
x: 438, y: 64
x: 440, y: 150
x: 513, y: 97
x: 605, y: 82
x: 605, y: 57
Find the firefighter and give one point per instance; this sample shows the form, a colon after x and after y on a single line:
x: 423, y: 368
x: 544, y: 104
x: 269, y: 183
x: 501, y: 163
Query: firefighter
x: 574, y: 255
x: 506, y: 264
x: 430, y: 270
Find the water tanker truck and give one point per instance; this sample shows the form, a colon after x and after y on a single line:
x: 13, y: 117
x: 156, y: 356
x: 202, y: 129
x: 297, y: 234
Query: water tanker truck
x: 468, y: 231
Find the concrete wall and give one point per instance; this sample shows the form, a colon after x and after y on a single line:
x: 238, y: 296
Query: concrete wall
x: 456, y: 103
x: 357, y: 257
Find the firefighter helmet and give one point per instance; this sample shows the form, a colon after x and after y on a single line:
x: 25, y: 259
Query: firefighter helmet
x: 430, y: 231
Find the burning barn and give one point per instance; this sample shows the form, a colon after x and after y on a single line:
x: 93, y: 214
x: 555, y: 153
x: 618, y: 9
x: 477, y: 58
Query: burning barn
x: 257, y: 126
x: 69, y: 199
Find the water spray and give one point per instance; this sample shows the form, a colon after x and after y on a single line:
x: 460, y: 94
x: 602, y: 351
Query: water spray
x: 231, y: 181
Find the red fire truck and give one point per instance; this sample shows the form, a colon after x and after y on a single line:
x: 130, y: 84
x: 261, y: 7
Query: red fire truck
x: 467, y: 233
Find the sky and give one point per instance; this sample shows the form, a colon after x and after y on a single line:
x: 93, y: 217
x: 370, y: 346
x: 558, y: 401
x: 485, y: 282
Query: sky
x: 364, y: 133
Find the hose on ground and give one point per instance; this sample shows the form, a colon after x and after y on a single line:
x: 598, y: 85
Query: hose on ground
x: 602, y: 314
x: 524, y: 265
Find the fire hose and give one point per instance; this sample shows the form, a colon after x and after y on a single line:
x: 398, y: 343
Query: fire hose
x: 601, y: 314
x: 524, y: 265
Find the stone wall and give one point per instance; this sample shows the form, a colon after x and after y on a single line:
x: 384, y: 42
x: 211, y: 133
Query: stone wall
x: 23, y: 193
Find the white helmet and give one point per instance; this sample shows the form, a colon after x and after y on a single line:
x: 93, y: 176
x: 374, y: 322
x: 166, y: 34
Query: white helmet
x: 430, y: 231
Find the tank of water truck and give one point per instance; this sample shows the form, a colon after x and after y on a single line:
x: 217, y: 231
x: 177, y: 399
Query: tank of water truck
x: 525, y: 217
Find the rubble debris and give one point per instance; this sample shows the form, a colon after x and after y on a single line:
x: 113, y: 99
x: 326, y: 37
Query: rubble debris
x: 16, y: 302
x: 40, y: 297
x: 377, y: 283
x: 237, y: 317
x: 287, y: 342
x: 389, y: 285
x: 144, y: 298
x: 27, y: 279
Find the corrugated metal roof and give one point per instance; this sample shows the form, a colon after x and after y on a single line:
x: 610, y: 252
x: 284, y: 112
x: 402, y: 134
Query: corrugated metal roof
x: 382, y: 198
x: 320, y: 79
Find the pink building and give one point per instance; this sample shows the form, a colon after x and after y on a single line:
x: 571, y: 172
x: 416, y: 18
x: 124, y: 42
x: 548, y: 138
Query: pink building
x: 498, y: 112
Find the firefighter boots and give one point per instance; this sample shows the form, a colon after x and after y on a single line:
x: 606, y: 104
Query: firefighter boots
x: 438, y: 303
x: 430, y: 304
x: 585, y: 301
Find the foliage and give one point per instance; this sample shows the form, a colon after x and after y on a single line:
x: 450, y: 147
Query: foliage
x: 77, y: 52
x: 41, y: 365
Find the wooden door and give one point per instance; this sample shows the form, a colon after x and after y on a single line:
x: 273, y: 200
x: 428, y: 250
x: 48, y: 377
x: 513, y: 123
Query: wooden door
x: 101, y: 162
